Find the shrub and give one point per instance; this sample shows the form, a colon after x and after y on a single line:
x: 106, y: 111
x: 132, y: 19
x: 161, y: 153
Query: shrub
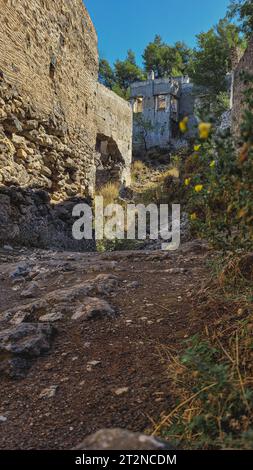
x: 220, y: 188
x: 212, y: 383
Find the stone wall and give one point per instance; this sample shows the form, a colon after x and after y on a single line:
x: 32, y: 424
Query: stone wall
x: 49, y: 62
x: 245, y: 65
x: 114, y: 123
x: 58, y: 127
x: 28, y: 218
x: 154, y: 125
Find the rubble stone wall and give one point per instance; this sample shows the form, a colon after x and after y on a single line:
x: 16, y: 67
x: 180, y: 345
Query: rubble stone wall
x: 49, y: 62
x: 52, y: 115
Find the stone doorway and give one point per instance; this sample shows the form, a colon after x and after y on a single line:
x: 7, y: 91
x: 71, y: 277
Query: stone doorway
x: 109, y: 161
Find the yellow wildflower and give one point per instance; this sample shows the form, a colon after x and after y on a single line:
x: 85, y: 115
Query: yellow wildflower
x: 197, y: 148
x: 204, y: 130
x: 187, y: 181
x: 198, y: 188
x: 193, y: 216
x: 183, y: 125
x: 212, y: 164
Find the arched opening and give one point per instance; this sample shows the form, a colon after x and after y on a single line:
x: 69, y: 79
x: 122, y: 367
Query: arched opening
x: 109, y: 161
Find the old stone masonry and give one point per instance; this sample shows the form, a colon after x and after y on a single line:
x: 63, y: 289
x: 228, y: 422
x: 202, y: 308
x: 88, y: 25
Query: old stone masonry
x: 60, y: 131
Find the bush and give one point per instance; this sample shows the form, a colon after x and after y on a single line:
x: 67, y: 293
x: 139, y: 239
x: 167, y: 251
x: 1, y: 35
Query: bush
x: 212, y: 383
x: 219, y: 180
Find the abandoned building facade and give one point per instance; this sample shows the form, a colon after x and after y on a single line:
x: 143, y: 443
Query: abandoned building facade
x: 158, y: 105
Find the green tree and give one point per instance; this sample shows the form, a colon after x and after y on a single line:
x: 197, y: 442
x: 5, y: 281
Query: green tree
x: 182, y: 58
x: 211, y: 61
x: 126, y: 72
x: 242, y: 10
x: 106, y: 74
x: 166, y: 60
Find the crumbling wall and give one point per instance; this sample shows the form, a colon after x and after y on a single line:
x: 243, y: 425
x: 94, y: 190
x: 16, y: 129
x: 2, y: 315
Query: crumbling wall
x: 49, y: 67
x: 239, y: 87
x: 28, y: 218
x: 114, y: 136
x: 53, y: 115
x: 153, y: 126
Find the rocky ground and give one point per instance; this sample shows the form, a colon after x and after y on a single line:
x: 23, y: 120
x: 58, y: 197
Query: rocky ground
x: 81, y: 337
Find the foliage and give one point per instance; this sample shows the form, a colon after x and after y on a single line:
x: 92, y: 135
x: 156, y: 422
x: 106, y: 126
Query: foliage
x: 106, y: 74
x: 144, y: 127
x: 215, y: 397
x: 122, y: 75
x: 138, y: 169
x: 211, y: 60
x: 166, y: 60
x: 211, y: 107
x: 223, y: 209
x: 242, y: 10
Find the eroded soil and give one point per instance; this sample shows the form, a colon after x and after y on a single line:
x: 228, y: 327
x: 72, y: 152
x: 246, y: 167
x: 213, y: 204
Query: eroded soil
x: 109, y: 371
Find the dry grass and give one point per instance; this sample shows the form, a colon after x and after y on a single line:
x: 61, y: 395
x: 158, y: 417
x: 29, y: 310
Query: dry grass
x: 211, y: 379
x: 237, y: 270
x: 110, y: 193
x: 138, y: 169
x: 171, y: 172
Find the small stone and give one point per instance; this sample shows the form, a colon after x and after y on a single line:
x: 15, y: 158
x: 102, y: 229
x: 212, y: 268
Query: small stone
x: 21, y: 271
x: 31, y: 291
x: 21, y: 153
x: 92, y: 309
x: 121, y: 391
x: 20, y: 317
x: 133, y: 285
x: 8, y: 248
x: 51, y: 317
x: 92, y: 364
x: 49, y: 392
x: 3, y: 419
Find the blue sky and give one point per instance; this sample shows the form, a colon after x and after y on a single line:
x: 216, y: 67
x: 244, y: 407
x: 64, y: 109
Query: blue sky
x: 131, y: 24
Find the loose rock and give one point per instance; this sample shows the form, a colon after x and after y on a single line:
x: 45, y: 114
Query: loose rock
x: 120, y: 439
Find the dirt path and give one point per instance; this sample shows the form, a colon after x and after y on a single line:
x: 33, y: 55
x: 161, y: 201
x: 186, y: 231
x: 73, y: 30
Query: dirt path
x: 108, y: 371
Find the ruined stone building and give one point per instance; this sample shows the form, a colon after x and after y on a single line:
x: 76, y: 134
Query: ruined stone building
x: 60, y: 131
x: 58, y: 113
x: 158, y: 105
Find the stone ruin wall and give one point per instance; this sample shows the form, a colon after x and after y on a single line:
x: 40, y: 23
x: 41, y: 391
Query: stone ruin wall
x: 49, y: 62
x: 52, y: 112
x: 114, y: 123
x: 245, y: 65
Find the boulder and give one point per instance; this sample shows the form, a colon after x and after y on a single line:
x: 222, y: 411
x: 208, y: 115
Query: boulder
x: 121, y: 439
x: 93, y: 308
x: 20, y: 344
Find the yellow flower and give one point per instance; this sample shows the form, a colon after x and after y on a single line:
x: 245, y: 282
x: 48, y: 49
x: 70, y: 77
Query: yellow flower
x: 212, y: 164
x: 198, y: 188
x: 197, y: 148
x: 183, y: 125
x: 204, y: 130
x: 193, y: 216
x: 187, y: 181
